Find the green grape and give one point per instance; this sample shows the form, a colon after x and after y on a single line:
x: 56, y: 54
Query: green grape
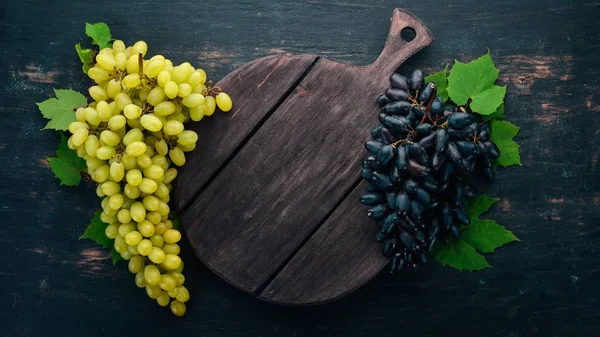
x: 187, y: 137
x: 120, y: 244
x: 170, y: 175
x: 138, y: 211
x: 113, y: 88
x: 117, y: 171
x: 187, y: 148
x: 173, y: 128
x: 163, y: 299
x: 140, y: 281
x: 133, y: 238
x: 154, y: 68
x: 156, y: 96
x: 126, y: 228
x: 120, y: 61
x: 131, y: 81
x: 133, y: 250
x: 118, y: 46
x: 151, y: 203
x: 160, y: 228
x: 144, y: 160
x: 177, y: 156
x: 193, y: 100
x: 126, y: 255
x: 98, y: 74
x: 181, y: 72
x: 171, y: 248
x: 94, y: 163
x: 80, y: 114
x: 132, y: 111
x: 200, y: 89
x: 178, y: 277
x: 116, y: 201
x: 146, y: 228
x: 129, y: 162
x: 158, y: 57
x: 143, y: 94
x: 124, y: 216
x: 74, y: 126
x: 197, y: 113
x: 127, y: 203
x: 164, y: 209
x: 91, y: 116
x: 111, y: 231
x: 98, y: 93
x: 154, y: 218
x: 107, y: 218
x: 180, y: 269
x: 110, y: 188
x: 184, y: 90
x: 133, y: 135
x: 172, y: 236
x: 151, y: 122
x: 161, y: 161
x: 134, y: 177
x: 117, y: 122
x: 177, y: 116
x: 132, y: 192
x: 150, y: 140
x: 164, y: 108
x: 178, y: 308
x: 163, y: 78
x: 105, y: 152
x: 110, y: 211
x: 81, y: 151
x: 161, y: 147
x: 154, y: 172
x: 79, y: 136
x: 133, y: 66
x: 157, y: 241
x: 157, y: 255
x: 196, y: 78
x: 110, y: 138
x: 172, y: 261
x: 153, y: 291
x: 183, y: 294
x: 210, y: 105
x: 139, y: 47
x: 171, y: 89
x: 148, y: 185
x: 167, y: 282
x: 145, y: 247
x: 122, y: 100
x: 104, y: 111
x: 136, y: 148
x: 91, y: 145
x: 223, y: 102
x: 106, y: 61
x: 99, y: 191
x: 101, y: 174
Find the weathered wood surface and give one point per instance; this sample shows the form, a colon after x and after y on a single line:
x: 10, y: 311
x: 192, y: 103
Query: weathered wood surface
x: 294, y: 170
x: 546, y: 285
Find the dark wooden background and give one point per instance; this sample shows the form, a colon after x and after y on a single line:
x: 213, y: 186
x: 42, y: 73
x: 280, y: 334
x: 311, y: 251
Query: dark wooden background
x: 51, y: 284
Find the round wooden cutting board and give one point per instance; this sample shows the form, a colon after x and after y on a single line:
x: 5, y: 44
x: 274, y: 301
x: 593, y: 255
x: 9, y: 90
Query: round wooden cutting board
x: 269, y: 197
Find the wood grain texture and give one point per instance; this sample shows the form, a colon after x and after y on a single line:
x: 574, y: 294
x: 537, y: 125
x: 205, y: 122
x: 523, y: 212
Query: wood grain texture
x: 295, y: 170
x: 546, y: 285
x: 257, y: 87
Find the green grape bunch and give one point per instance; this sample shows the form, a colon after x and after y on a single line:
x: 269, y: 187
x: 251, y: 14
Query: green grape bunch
x: 133, y: 138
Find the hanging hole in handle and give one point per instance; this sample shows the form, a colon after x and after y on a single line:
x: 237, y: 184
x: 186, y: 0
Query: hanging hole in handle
x: 408, y: 34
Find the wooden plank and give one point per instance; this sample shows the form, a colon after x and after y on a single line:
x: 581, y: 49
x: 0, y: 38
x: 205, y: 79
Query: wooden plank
x: 339, y: 258
x: 295, y: 169
x: 257, y: 86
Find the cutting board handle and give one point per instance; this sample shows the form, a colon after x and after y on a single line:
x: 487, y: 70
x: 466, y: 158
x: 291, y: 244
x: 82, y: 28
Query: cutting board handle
x: 397, y: 50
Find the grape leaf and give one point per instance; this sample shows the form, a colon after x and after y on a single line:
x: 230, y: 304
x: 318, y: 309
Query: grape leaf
x: 502, y: 133
x: 459, y: 255
x: 474, y: 81
x: 100, y: 34
x: 61, y: 110
x: 482, y: 235
x: 441, y: 82
x: 67, y: 166
x: 85, y: 55
x: 95, y: 232
x: 498, y: 115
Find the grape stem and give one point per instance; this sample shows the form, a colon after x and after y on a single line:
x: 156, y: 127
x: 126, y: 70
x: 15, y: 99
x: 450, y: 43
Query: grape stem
x: 431, y: 99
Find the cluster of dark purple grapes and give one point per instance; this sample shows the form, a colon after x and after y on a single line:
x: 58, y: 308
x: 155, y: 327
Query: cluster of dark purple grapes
x: 419, y: 158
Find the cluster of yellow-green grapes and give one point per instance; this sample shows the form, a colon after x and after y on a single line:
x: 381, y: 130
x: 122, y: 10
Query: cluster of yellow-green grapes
x: 131, y: 137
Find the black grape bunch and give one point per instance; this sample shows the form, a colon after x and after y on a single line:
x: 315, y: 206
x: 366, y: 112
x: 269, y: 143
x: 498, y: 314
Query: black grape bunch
x: 419, y: 160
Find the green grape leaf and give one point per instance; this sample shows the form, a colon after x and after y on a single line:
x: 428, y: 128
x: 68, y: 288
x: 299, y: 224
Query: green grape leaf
x: 175, y: 219
x: 474, y: 81
x: 67, y: 166
x: 498, y: 115
x: 95, y: 232
x: 459, y: 255
x: 441, y: 82
x: 483, y: 235
x: 85, y: 55
x: 502, y: 133
x: 61, y: 110
x: 100, y: 34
